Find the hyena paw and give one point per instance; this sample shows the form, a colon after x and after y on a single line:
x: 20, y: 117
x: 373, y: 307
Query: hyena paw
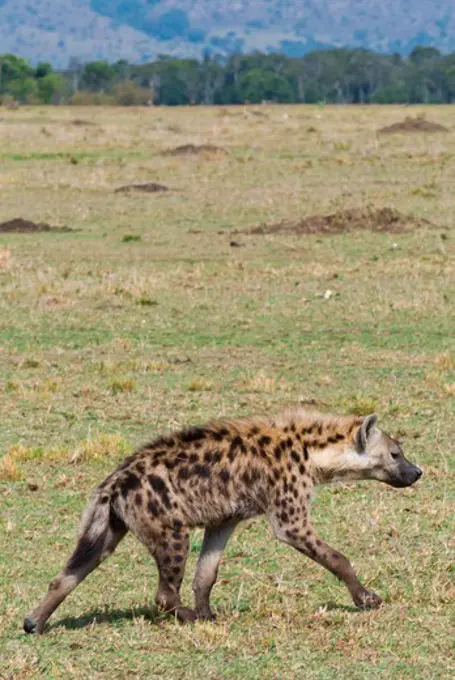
x: 366, y: 599
x: 205, y: 615
x: 185, y: 615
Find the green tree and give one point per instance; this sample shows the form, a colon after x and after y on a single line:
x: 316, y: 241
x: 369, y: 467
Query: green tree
x: 257, y: 85
x: 12, y: 70
x: 97, y: 76
x: 51, y: 88
x: 24, y: 90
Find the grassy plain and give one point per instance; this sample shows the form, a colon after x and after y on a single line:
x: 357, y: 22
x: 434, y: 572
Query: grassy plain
x: 106, y: 341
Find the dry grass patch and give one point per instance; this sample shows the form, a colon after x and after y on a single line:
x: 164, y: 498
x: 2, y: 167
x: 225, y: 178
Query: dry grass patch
x: 5, y: 257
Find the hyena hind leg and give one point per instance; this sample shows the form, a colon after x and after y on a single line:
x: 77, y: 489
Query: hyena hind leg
x: 88, y: 554
x: 169, y: 546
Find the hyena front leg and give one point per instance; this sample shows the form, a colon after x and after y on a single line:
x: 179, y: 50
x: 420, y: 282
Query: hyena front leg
x: 306, y: 541
x: 215, y: 539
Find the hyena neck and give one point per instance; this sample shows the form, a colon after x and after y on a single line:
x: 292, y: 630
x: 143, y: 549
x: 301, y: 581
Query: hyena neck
x: 329, y: 443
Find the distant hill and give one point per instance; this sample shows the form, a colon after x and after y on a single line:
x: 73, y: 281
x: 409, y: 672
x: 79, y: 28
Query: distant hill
x: 139, y: 30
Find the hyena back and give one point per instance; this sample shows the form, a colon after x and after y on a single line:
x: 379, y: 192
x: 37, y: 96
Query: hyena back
x: 217, y: 475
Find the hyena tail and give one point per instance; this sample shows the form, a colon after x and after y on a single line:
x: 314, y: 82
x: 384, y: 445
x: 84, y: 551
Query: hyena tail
x: 100, y: 533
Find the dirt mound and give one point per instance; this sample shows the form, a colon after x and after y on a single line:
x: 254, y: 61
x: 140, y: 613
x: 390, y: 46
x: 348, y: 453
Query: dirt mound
x: 413, y: 125
x: 150, y: 188
x: 79, y: 122
x: 20, y: 226
x: 367, y: 219
x: 194, y: 150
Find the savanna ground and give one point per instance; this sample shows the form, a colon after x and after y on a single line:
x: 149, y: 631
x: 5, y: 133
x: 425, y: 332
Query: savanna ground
x: 146, y: 319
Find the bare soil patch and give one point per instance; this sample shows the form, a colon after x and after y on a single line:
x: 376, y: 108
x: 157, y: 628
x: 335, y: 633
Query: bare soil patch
x: 356, y: 219
x: 194, y: 150
x: 20, y: 226
x: 413, y: 125
x: 149, y: 188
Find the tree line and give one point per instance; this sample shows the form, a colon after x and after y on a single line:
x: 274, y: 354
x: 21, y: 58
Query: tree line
x: 338, y: 76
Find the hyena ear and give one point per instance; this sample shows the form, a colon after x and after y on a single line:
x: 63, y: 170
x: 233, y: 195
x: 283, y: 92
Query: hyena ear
x: 364, y: 432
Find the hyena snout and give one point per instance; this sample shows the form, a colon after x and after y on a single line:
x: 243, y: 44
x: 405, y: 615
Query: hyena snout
x: 406, y: 475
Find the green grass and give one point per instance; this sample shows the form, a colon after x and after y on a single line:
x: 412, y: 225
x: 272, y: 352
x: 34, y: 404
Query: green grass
x: 107, y: 340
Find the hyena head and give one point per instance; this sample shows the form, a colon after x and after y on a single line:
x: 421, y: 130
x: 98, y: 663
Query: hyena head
x: 382, y: 456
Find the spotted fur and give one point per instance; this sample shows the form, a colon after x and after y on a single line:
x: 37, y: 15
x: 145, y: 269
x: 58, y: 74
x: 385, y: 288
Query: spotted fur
x: 216, y: 476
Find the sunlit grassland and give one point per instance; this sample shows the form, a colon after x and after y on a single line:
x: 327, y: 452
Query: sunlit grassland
x: 106, y: 342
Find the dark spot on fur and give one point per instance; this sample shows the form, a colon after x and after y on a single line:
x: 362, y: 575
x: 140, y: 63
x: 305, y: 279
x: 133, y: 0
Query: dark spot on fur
x: 335, y: 556
x: 184, y: 473
x: 140, y: 468
x: 181, y: 457
x: 302, y: 469
x: 237, y: 443
x: 284, y: 517
x: 161, y: 441
x: 160, y: 488
x: 178, y: 559
x: 202, y: 471
x: 295, y: 456
x: 306, y: 455
x: 138, y: 500
x: 217, y: 456
x: 178, y: 524
x: 153, y: 508
x: 254, y: 431
x: 193, y: 434
x: 264, y: 440
x: 176, y: 570
x: 208, y: 455
x: 129, y: 483
x: 157, y: 484
x: 276, y: 474
x: 178, y: 546
x: 277, y: 452
x: 176, y: 535
x: 225, y: 475
x: 193, y: 458
x: 218, y: 435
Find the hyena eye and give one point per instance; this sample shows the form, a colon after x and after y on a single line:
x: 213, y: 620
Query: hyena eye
x: 394, y: 454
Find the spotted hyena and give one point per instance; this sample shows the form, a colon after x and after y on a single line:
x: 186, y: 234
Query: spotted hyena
x: 216, y: 476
